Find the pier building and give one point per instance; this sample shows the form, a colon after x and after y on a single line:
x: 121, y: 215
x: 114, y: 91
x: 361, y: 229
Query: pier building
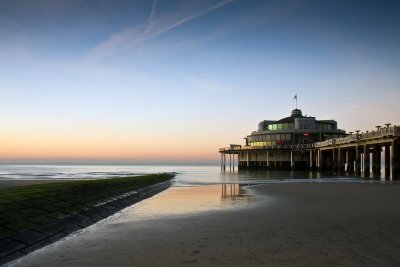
x: 303, y: 143
x: 295, y: 129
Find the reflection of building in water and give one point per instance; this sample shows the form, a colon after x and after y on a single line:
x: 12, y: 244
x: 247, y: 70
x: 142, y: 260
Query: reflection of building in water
x: 230, y: 190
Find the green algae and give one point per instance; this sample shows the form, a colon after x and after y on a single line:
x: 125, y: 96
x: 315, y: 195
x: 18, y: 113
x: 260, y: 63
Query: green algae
x: 23, y: 207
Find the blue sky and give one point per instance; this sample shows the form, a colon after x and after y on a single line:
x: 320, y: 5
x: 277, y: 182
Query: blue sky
x: 175, y: 80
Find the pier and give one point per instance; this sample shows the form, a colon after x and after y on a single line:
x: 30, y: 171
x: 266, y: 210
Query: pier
x: 359, y: 153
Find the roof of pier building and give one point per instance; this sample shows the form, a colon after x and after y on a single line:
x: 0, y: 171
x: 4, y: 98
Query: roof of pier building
x: 295, y: 129
x: 296, y: 113
x: 296, y: 121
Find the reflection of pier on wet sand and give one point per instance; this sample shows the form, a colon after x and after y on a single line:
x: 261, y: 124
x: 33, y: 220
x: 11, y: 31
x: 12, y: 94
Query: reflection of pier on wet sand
x: 230, y: 190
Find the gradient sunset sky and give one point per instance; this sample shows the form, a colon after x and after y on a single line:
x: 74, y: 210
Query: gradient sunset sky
x: 164, y: 81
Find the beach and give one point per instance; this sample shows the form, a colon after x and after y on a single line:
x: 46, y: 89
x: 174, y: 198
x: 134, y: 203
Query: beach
x: 293, y: 224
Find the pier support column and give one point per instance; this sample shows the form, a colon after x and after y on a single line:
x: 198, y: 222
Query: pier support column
x: 267, y: 159
x: 233, y: 161
x: 291, y: 160
x: 334, y: 161
x: 323, y: 163
x: 387, y: 161
x: 376, y: 161
x: 394, y: 158
x: 349, y: 160
x: 311, y: 160
x: 341, y: 160
x: 358, y: 161
x: 366, y: 161
x: 319, y: 160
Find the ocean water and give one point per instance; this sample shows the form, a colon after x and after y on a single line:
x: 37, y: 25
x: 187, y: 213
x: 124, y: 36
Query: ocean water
x: 187, y: 175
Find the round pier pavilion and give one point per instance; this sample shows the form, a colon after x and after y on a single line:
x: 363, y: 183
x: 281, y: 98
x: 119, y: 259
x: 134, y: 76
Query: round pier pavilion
x: 293, y: 130
x: 304, y: 143
x: 283, y: 144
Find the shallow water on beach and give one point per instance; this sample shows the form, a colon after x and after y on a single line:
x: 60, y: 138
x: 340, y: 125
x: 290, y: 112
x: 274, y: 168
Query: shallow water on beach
x: 186, y: 200
x: 196, y: 188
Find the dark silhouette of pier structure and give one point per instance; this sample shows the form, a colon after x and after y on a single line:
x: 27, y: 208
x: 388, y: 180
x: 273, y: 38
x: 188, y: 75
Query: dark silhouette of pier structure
x: 358, y: 153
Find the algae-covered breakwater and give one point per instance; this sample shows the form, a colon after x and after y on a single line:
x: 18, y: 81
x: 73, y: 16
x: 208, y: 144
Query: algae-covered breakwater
x: 35, y: 215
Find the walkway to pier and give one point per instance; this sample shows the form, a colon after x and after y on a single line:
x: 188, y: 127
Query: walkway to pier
x: 362, y: 152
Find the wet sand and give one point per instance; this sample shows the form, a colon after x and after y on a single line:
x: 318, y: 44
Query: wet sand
x: 293, y: 225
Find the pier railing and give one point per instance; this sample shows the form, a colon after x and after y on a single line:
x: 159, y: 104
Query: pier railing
x: 384, y: 132
x: 276, y: 147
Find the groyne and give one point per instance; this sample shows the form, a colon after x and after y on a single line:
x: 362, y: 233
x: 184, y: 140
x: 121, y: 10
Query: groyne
x: 55, y: 219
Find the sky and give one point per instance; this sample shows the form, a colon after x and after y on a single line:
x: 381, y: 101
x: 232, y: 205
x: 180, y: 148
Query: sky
x: 173, y: 81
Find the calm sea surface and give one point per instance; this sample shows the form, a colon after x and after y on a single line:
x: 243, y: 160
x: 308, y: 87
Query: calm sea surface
x: 196, y: 188
x: 187, y: 175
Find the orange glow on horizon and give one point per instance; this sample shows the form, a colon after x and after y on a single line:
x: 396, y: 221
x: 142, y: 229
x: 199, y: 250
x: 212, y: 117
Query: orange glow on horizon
x: 105, y: 147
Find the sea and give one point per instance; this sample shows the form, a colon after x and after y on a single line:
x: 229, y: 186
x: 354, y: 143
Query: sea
x: 186, y: 174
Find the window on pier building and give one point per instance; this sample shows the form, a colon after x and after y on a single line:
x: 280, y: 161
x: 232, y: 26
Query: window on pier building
x: 325, y: 126
x: 279, y: 126
x: 263, y: 143
x: 269, y: 138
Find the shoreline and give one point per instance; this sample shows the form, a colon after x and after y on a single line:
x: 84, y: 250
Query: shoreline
x: 304, y: 225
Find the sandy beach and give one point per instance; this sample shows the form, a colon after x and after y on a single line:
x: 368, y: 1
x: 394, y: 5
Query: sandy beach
x: 291, y: 225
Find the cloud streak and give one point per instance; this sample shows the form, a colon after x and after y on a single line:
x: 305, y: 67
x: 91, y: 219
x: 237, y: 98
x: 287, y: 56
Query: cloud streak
x: 153, y: 10
x: 133, y: 35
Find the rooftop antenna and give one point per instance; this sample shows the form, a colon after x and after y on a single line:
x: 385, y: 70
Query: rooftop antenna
x: 295, y: 98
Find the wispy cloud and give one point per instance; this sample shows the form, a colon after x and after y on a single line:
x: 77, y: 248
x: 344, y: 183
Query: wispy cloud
x: 260, y: 14
x: 153, y: 10
x: 155, y: 26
